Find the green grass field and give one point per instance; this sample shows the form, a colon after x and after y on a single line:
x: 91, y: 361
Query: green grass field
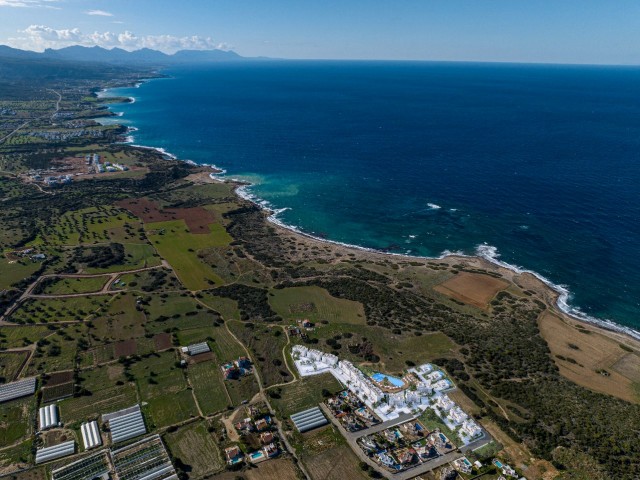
x: 176, y: 311
x: 121, y: 321
x: 242, y: 389
x: 108, y: 391
x: 64, y: 286
x: 196, y: 447
x: 265, y: 344
x: 57, y: 351
x: 20, y: 336
x: 14, y: 271
x: 226, y: 307
x: 305, y: 393
x: 15, y: 419
x: 208, y: 387
x: 315, y: 304
x: 180, y: 248
x: 10, y: 363
x: 431, y: 420
x: 162, y: 385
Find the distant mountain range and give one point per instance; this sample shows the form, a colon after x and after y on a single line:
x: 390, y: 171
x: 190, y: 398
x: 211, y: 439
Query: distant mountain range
x: 119, y: 56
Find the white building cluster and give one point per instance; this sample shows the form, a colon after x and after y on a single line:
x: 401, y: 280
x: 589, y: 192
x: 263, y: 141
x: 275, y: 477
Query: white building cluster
x: 423, y: 393
x: 457, y: 419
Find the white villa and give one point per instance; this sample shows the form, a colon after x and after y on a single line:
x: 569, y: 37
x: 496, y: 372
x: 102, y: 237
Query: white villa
x: 424, y: 393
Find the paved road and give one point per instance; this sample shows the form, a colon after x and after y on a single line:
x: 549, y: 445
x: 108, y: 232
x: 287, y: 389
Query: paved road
x: 351, y: 438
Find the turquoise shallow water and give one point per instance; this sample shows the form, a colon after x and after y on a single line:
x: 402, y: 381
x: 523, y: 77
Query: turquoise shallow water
x: 535, y: 166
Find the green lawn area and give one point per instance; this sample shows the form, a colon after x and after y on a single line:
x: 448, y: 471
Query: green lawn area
x: 208, y: 387
x: 63, y: 286
x: 305, y: 393
x: 104, y: 394
x: 15, y: 419
x: 315, y: 304
x: 196, y: 447
x: 431, y: 420
x: 226, y: 307
x: 163, y: 386
x: 180, y: 248
x: 15, y: 271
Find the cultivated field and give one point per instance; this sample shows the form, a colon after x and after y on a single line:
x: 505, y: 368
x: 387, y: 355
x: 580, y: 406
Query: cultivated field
x: 326, y: 456
x: 592, y: 360
x: 107, y: 391
x: 208, y: 387
x: 180, y: 247
x: 472, y: 288
x: 304, y: 393
x: 194, y: 446
x: 15, y: 419
x: 163, y: 386
x: 11, y: 363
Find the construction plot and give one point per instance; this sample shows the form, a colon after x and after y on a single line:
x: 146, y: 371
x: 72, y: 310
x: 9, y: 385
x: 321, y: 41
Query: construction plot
x: 147, y: 459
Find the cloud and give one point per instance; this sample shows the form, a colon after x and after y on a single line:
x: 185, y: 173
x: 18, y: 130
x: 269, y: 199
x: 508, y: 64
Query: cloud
x: 29, y: 4
x: 40, y: 37
x: 100, y: 13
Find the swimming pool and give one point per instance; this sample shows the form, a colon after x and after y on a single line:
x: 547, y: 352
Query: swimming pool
x: 379, y: 377
x: 257, y: 455
x: 498, y: 463
x: 443, y: 438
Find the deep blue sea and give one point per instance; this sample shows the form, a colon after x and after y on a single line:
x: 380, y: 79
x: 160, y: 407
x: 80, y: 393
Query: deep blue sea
x: 538, y: 166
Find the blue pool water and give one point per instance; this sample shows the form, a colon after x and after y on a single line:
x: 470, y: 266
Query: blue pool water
x: 536, y: 165
x: 256, y: 455
x: 498, y: 463
x: 379, y: 377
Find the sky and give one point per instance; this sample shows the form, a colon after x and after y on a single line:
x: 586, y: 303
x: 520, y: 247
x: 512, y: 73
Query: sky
x: 548, y: 31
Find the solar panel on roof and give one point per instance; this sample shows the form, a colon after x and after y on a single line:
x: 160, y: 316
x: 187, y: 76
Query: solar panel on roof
x: 21, y: 388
